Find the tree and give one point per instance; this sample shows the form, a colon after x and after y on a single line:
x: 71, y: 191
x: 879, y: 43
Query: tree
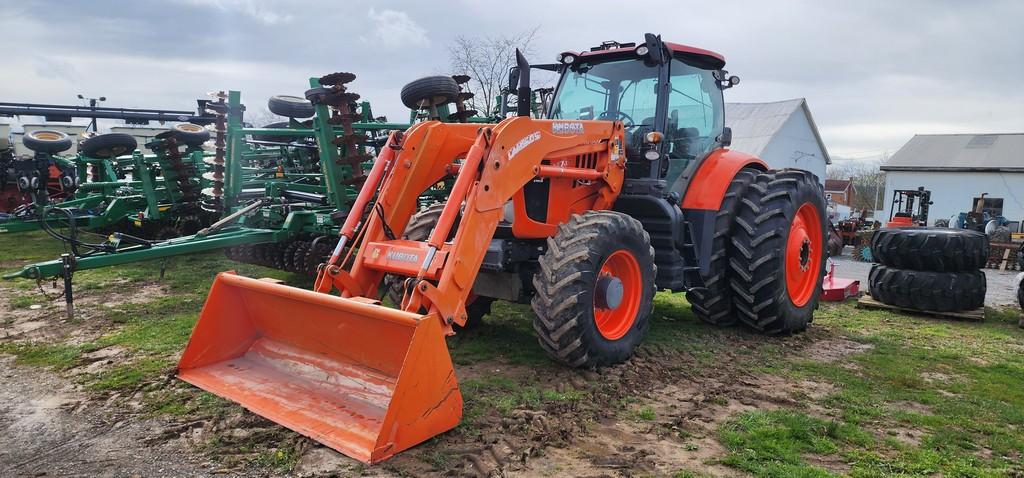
x: 487, y: 60
x: 867, y: 178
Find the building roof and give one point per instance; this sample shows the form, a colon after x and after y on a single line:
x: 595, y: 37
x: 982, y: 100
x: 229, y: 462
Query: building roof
x: 837, y: 185
x: 755, y: 124
x: 960, y: 152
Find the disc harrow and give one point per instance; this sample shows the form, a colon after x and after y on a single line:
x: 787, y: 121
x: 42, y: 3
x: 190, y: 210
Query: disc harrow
x: 213, y: 197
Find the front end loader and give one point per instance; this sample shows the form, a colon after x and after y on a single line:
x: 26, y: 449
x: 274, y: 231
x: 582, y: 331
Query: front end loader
x: 625, y: 188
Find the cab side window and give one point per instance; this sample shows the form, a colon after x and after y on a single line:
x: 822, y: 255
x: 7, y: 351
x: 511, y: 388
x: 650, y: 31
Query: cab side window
x: 693, y: 112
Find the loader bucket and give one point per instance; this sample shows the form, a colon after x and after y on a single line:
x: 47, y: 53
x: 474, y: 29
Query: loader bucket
x: 363, y: 379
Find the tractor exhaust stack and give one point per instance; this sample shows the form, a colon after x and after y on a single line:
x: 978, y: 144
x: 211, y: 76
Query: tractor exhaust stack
x: 523, y: 94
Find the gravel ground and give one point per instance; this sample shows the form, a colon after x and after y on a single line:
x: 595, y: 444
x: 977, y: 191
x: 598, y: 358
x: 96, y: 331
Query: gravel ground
x: 1000, y: 291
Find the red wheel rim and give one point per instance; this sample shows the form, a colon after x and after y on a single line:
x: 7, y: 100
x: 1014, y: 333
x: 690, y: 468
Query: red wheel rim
x: 613, y: 323
x: 803, y: 255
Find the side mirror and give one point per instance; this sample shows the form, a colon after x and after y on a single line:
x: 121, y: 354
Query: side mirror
x: 725, y: 139
x: 513, y: 78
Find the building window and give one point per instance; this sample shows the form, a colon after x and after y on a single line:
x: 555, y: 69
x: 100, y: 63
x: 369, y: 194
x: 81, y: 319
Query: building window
x: 993, y: 206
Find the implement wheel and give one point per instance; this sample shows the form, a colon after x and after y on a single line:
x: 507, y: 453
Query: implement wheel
x: 191, y: 134
x: 290, y: 106
x: 595, y: 289
x: 46, y: 141
x: 429, y: 92
x: 109, y: 145
x: 778, y: 251
x: 713, y: 302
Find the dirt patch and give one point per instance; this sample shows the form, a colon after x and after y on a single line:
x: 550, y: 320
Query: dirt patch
x: 45, y: 431
x: 837, y: 349
x: 832, y: 463
x: 679, y: 432
x: 912, y: 407
x: 100, y: 360
x: 49, y: 321
x: 656, y: 414
x: 905, y: 435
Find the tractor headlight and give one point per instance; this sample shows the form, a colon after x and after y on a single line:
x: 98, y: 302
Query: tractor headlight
x: 567, y: 59
x: 642, y: 50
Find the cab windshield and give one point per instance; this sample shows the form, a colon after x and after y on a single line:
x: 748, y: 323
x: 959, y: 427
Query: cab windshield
x: 626, y: 90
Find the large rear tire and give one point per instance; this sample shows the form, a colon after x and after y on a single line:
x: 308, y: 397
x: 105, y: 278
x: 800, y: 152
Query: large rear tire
x: 713, y: 303
x: 595, y: 289
x: 778, y: 251
x: 930, y: 291
x: 930, y: 249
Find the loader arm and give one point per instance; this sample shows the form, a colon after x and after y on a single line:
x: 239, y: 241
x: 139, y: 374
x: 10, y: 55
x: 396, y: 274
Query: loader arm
x: 493, y: 166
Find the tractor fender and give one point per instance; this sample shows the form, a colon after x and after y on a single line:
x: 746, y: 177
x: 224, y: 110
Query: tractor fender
x: 707, y: 188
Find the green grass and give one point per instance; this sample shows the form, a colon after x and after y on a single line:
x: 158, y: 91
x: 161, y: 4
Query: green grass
x: 773, y: 443
x: 959, y: 386
x: 129, y: 375
x: 646, y: 413
x: 55, y: 356
x: 152, y: 331
x: 506, y: 335
x: 24, y: 301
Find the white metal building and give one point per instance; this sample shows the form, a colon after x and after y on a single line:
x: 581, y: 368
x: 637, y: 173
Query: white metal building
x: 782, y: 133
x: 957, y: 168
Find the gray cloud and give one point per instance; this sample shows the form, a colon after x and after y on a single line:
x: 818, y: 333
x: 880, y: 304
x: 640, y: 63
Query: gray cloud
x: 874, y: 73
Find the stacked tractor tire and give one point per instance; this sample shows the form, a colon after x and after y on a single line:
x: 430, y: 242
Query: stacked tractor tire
x: 929, y: 269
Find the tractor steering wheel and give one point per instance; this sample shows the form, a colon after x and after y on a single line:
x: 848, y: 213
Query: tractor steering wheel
x: 609, y: 115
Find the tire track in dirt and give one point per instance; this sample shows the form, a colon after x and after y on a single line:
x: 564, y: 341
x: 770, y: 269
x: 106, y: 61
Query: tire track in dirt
x: 599, y: 435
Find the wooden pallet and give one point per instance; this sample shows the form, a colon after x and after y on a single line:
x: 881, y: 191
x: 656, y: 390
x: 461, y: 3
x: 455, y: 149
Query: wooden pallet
x: 976, y: 315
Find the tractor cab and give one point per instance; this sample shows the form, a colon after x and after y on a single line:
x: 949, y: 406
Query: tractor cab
x: 668, y: 97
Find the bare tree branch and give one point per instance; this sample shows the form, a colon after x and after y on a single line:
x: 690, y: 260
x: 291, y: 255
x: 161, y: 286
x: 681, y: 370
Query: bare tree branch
x: 487, y: 61
x: 867, y: 178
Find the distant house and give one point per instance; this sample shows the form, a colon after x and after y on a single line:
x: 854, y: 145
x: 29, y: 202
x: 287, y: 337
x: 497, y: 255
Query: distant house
x: 958, y: 169
x: 841, y: 191
x: 782, y: 133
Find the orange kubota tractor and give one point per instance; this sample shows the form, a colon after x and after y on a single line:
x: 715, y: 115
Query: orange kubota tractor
x: 625, y: 188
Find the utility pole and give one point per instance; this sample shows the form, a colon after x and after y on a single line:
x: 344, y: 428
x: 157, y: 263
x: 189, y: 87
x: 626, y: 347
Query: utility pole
x: 92, y: 105
x: 881, y: 179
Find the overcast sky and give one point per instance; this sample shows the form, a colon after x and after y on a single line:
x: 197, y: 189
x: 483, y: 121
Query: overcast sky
x: 873, y: 72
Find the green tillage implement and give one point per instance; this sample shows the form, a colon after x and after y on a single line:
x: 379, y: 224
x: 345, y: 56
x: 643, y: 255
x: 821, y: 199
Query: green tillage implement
x: 110, y: 200
x: 286, y: 209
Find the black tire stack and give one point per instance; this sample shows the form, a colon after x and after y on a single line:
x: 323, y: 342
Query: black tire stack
x: 929, y: 269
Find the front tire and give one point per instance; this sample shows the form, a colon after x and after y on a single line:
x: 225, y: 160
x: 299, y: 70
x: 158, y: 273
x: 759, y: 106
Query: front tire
x: 419, y: 228
x: 595, y: 289
x: 778, y: 251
